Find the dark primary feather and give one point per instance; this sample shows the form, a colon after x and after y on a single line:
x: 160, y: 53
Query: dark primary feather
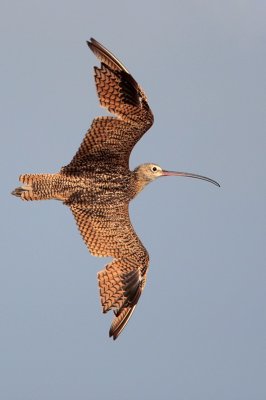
x: 105, y: 56
x: 119, y: 323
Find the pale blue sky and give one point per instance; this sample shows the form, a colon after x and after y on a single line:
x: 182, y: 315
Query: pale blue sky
x: 198, y: 332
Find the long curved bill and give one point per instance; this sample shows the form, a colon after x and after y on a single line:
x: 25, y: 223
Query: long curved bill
x: 189, y: 175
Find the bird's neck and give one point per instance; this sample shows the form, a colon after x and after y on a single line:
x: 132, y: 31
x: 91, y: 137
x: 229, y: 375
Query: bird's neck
x: 139, y: 181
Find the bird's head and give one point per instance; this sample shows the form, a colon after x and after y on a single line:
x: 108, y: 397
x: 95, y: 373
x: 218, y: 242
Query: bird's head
x: 147, y: 173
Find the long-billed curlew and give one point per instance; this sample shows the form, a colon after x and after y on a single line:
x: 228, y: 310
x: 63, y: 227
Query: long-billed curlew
x: 98, y: 185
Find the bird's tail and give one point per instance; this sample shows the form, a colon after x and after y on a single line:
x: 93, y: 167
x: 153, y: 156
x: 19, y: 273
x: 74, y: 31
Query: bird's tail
x: 37, y: 187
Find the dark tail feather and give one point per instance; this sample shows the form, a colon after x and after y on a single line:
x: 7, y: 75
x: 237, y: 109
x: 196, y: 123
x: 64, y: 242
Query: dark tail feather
x: 19, y: 192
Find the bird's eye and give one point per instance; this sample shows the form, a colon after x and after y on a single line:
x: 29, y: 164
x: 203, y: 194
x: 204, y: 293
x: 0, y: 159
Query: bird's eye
x: 154, y: 169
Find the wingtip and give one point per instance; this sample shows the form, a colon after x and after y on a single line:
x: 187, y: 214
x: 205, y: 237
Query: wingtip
x: 91, y: 42
x: 112, y: 335
x: 120, y: 322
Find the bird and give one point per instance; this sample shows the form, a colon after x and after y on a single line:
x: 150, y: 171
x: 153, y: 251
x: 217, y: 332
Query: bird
x: 98, y: 185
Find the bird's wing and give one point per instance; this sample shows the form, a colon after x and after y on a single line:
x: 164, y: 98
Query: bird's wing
x: 108, y: 142
x: 108, y: 232
x: 119, y: 92
x: 113, y: 138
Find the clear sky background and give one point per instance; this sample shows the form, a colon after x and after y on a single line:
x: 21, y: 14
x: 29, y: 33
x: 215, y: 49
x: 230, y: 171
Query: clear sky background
x: 198, y: 332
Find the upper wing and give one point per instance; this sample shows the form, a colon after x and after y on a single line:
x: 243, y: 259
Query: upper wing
x: 108, y: 141
x: 108, y: 232
x: 113, y: 138
x: 118, y: 91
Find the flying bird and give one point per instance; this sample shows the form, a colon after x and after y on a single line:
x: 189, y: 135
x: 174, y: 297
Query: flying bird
x: 97, y: 185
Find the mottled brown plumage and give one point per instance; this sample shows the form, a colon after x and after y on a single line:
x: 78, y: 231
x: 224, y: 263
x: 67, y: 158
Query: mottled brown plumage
x: 97, y: 186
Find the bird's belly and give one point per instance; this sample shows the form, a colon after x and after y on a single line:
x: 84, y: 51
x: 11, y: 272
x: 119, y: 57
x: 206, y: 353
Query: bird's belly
x: 99, y: 190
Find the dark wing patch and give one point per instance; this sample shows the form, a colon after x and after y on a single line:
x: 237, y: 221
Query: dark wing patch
x: 120, y: 284
x: 115, y: 88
